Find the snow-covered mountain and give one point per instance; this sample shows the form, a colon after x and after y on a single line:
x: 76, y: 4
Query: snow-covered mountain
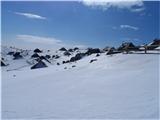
x: 96, y: 87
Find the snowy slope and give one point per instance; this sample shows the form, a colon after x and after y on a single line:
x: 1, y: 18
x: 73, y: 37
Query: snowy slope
x: 119, y: 86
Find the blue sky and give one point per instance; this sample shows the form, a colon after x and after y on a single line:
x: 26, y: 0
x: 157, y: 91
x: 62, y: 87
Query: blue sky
x: 86, y: 23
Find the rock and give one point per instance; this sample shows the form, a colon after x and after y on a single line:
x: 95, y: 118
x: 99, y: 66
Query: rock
x: 66, y: 53
x: 92, y: 51
x: 2, y: 63
x: 35, y: 55
x: 73, y: 66
x: 37, y: 50
x: 53, y: 56
x: 76, y: 48
x: 65, y: 67
x: 57, y: 56
x: 97, y: 55
x: 70, y: 50
x: 48, y: 56
x: 17, y: 55
x: 78, y: 56
x: 62, y: 49
x: 93, y: 60
x: 10, y: 53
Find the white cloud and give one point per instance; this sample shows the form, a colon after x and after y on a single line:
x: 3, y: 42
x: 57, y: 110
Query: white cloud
x: 31, y: 15
x: 132, y: 5
x: 128, y: 27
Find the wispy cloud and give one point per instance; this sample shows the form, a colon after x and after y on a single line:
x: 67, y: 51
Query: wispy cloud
x: 38, y: 39
x: 31, y: 15
x: 32, y: 41
x: 128, y: 27
x: 132, y: 5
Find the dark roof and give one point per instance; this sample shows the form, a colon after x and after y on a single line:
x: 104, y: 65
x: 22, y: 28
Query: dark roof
x: 128, y: 45
x: 156, y: 42
x: 40, y: 64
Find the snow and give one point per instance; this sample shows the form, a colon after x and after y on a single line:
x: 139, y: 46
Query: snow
x: 123, y: 86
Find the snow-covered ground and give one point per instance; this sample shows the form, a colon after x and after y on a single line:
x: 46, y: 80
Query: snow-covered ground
x: 124, y: 86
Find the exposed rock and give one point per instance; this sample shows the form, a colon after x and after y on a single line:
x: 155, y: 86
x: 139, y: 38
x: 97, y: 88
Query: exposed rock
x: 35, y: 55
x: 17, y: 55
x: 48, y: 56
x: 63, y: 49
x: 2, y: 63
x: 78, y: 56
x: 65, y: 67
x: 93, y: 60
x: 76, y: 48
x: 70, y: 50
x: 92, y: 51
x: 73, y: 65
x: 97, y: 55
x: 57, y: 56
x: 40, y: 64
x: 66, y: 53
x: 53, y: 56
x: 10, y: 53
x: 37, y: 50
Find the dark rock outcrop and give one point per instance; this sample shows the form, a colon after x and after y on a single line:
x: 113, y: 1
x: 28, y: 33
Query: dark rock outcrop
x: 37, y: 50
x: 35, y: 55
x: 62, y: 49
x: 78, y: 56
x: 93, y: 60
x: 17, y: 55
x: 76, y: 48
x: 40, y: 64
x: 66, y: 53
x: 10, y: 53
x: 48, y: 56
x: 92, y: 51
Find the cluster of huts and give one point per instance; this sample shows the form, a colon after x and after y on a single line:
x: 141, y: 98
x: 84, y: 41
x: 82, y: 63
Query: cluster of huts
x: 43, y: 60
